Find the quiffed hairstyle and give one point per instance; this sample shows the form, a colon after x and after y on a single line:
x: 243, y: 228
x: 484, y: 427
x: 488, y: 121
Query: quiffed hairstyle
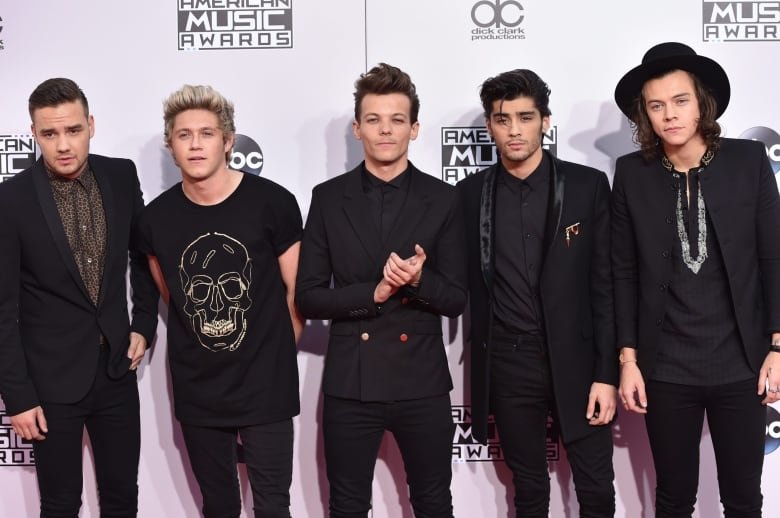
x: 508, y: 86
x: 644, y: 135
x: 199, y: 97
x: 56, y: 91
x: 386, y: 79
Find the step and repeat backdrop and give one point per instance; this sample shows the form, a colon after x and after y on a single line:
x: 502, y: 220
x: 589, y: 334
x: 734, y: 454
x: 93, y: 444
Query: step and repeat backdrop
x: 289, y: 66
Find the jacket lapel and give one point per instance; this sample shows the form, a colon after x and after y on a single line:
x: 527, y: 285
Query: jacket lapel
x: 487, y: 219
x: 53, y: 221
x: 357, y: 208
x: 555, y: 203
x: 413, y: 212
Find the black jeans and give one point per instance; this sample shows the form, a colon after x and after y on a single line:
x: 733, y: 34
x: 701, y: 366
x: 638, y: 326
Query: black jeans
x: 423, y: 429
x: 110, y: 412
x: 737, y: 422
x: 521, y: 398
x: 268, y: 453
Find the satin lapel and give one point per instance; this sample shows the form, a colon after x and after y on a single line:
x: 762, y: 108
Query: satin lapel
x: 555, y: 203
x: 357, y: 208
x: 413, y: 212
x: 107, y: 193
x: 52, y: 217
x: 487, y: 217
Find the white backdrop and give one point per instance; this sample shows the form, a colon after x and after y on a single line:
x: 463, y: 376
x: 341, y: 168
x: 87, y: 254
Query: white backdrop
x: 295, y: 102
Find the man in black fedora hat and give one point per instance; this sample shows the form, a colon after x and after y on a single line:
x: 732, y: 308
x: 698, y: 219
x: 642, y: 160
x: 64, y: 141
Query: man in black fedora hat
x: 696, y: 265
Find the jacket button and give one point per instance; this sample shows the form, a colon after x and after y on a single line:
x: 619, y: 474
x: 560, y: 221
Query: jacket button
x: 662, y: 287
x: 404, y: 337
x: 665, y: 253
x: 658, y: 322
x: 365, y: 337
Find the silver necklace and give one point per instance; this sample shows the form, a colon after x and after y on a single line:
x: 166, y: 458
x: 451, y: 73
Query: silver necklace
x: 693, y: 265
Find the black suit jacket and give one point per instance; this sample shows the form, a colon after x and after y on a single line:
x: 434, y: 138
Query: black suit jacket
x: 743, y: 204
x: 49, y: 327
x: 575, y: 286
x: 396, y: 352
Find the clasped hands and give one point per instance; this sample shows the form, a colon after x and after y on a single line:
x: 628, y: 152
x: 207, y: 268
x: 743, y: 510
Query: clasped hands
x: 398, y: 272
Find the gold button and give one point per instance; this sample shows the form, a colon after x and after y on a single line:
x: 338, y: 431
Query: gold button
x: 365, y: 337
x: 404, y: 337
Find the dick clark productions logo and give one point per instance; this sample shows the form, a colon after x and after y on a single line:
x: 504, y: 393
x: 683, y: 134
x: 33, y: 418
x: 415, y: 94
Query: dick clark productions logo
x: 497, y: 20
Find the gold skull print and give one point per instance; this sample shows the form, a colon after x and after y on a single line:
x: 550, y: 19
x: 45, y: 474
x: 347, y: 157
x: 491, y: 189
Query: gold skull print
x: 216, y: 273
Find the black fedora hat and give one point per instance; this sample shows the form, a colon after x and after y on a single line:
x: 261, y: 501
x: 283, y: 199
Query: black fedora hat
x: 666, y: 57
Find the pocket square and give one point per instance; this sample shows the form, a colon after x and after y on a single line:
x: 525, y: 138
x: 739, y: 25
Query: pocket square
x: 571, y: 230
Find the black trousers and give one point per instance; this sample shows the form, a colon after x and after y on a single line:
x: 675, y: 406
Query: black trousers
x: 423, y: 429
x: 737, y: 423
x: 521, y: 398
x: 268, y: 454
x: 110, y: 413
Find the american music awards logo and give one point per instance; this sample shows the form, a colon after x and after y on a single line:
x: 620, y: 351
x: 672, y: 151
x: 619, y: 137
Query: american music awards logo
x: 466, y: 449
x: 236, y: 24
x: 468, y: 149
x: 246, y: 156
x: 17, y: 153
x: 14, y: 451
x: 740, y: 21
x: 2, y: 45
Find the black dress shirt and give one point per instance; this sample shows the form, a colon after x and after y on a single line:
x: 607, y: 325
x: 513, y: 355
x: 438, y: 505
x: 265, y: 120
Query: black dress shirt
x: 521, y: 212
x: 387, y: 199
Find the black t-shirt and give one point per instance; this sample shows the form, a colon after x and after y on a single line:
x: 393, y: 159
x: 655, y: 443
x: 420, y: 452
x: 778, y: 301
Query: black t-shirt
x: 231, y: 345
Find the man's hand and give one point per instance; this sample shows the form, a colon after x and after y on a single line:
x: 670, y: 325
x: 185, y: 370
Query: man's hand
x: 136, y: 350
x: 769, y: 378
x: 400, y: 272
x: 383, y: 291
x: 605, y: 396
x: 632, y: 388
x: 30, y: 424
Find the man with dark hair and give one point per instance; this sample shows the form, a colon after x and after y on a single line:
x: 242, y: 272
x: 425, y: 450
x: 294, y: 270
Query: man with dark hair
x: 68, y: 353
x: 542, y: 326
x: 382, y: 258
x: 697, y: 280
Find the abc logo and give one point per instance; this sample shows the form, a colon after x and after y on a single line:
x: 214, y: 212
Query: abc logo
x: 772, y: 430
x: 771, y: 141
x: 507, y: 13
x: 247, y: 155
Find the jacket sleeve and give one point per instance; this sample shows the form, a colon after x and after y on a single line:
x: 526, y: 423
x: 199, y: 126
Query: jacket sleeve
x: 16, y: 387
x: 314, y: 295
x: 624, y: 266
x: 602, y: 302
x: 443, y: 281
x: 145, y: 295
x: 767, y: 219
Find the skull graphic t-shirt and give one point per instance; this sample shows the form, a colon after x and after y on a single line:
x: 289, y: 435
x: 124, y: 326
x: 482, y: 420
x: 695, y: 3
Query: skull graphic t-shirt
x: 231, y: 346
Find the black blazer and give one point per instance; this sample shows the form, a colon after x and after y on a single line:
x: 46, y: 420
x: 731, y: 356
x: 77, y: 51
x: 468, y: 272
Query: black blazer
x: 49, y: 327
x: 396, y: 352
x: 575, y: 286
x: 743, y: 204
